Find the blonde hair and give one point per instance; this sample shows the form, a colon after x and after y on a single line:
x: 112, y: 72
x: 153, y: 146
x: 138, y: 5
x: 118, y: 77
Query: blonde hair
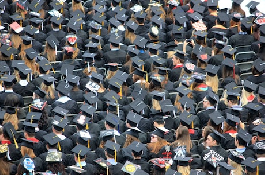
x: 49, y: 90
x: 16, y: 40
x: 92, y: 69
x: 77, y: 6
x: 110, y: 74
x: 244, y: 97
x: 184, y: 170
x: 238, y: 168
x: 130, y: 35
x: 50, y: 52
x: 12, y: 118
x: 31, y: 64
x: 25, y: 150
x: 212, y: 81
x: 155, y: 104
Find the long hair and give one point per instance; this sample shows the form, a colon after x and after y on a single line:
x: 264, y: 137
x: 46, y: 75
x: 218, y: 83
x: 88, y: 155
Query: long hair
x: 244, y: 97
x: 92, y: 69
x: 156, y: 146
x: 238, y: 168
x: 50, y: 52
x: 16, y: 40
x: 228, y: 72
x: 4, y: 170
x: 129, y: 140
x: 235, y: 24
x: 183, y: 138
x: 74, y: 55
x: 227, y: 127
x: 77, y: 6
x: 216, y: 127
x: 49, y: 90
x: 184, y: 170
x: 110, y: 74
x: 155, y: 104
x: 143, y: 83
x: 130, y: 35
x: 213, y: 82
x: 25, y: 150
x: 31, y: 64
x: 12, y: 118
x: 217, y: 51
x: 201, y: 64
x: 56, y: 167
x: 22, y: 53
x: 237, y: 8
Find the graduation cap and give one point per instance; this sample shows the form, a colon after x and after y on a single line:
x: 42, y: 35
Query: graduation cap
x: 229, y: 62
x: 200, y: 35
x: 181, y: 18
x: 98, y: 17
x: 31, y: 53
x: 112, y: 66
x: 158, y: 61
x: 56, y: 4
x: 163, y: 70
x: 213, y: 157
x: 253, y: 106
x: 139, y: 72
x: 225, y: 168
x: 95, y: 25
x: 204, y: 57
x: 52, y: 41
x: 4, y: 67
x: 67, y: 69
x: 223, y: 17
x: 29, y: 29
x: 212, y: 69
x: 232, y: 95
x: 130, y: 168
x: 187, y: 118
x: 260, y: 129
x: 123, y: 76
x: 16, y: 17
x: 8, y: 130
x: 64, y: 88
x: 36, y: 5
x: 72, y: 78
x: 196, y: 172
x: 140, y: 41
x: 261, y: 92
x: 54, y: 157
x: 252, y: 5
x: 99, y: 8
x: 232, y: 87
x: 228, y: 51
x: 59, y: 123
x: 132, y: 51
x: 244, y: 135
x: 212, y: 3
x: 157, y: 95
x: 35, y: 21
x: 16, y: 27
x: 112, y: 148
x: 183, y: 91
x: 57, y: 20
x: 166, y: 106
x: 249, y: 86
x: 136, y: 147
x: 8, y: 78
x: 187, y: 102
x: 198, y: 8
x: 80, y: 152
x: 195, y: 16
x: 140, y: 15
x: 38, y: 104
x: 238, y: 1
x: 236, y: 16
x: 48, y: 79
x: 259, y: 65
x: 139, y: 92
x: 131, y: 25
x: 216, y: 117
x: 33, y: 117
x: 138, y: 105
x: 134, y: 117
x: 251, y: 164
x: 111, y: 96
x: 81, y: 121
x: 115, y: 40
x: 7, y: 51
x: 112, y: 119
x: 88, y: 109
x: 27, y: 143
x: 115, y: 84
x: 216, y: 136
x: 3, y: 150
x: 122, y: 17
x: 246, y: 24
x: 212, y: 97
x: 84, y: 138
x: 159, y: 162
x: 91, y: 98
x: 114, y: 22
x: 183, y: 161
x: 236, y: 156
x: 23, y: 69
x: 178, y: 31
x: 137, y: 62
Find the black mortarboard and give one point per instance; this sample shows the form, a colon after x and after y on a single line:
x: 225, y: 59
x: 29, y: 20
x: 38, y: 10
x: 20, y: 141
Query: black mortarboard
x: 72, y: 78
x: 114, y: 22
x: 246, y: 24
x: 98, y: 17
x: 23, y: 69
x: 8, y: 78
x: 212, y: 3
x: 16, y: 17
x: 111, y: 96
x: 252, y: 4
x: 253, y: 106
x: 45, y: 65
x: 138, y: 105
x: 83, y: 137
x: 261, y: 92
x: 216, y: 136
x: 212, y: 97
x: 223, y: 17
x: 212, y: 69
x: 140, y: 41
x: 251, y: 164
x: 259, y: 65
x: 137, y: 62
x: 238, y: 1
x: 30, y: 127
x: 132, y: 51
x: 51, y: 139
x: 48, y: 79
x: 232, y: 87
x: 36, y: 21
x: 7, y: 51
x: 140, y: 15
x: 52, y: 41
x: 204, y: 57
x: 244, y: 135
x: 112, y: 106
x: 36, y: 5
x: 112, y: 147
x: 139, y: 92
x: 153, y: 47
x: 99, y: 8
x: 183, y: 161
x: 232, y: 120
x: 196, y: 172
x: 157, y: 20
x: 112, y: 118
x: 232, y: 95
x: 133, y: 117
x: 236, y: 16
x: 187, y: 102
x: 56, y: 5
x: 88, y: 109
x: 219, y: 44
x: 57, y: 20
x: 186, y: 118
x: 225, y: 168
x: 178, y: 31
x: 8, y: 130
x: 67, y: 69
x: 229, y: 62
x: 236, y: 156
x: 181, y: 18
x: 115, y: 84
x: 163, y: 70
x: 31, y: 53
x: 4, y: 67
x: 157, y: 95
x: 198, y: 8
x: 81, y: 120
x: 166, y: 105
x: 115, y: 39
x: 59, y: 123
x: 183, y: 90
x: 200, y: 35
x: 136, y: 146
x: 228, y: 51
x: 29, y: 29
x: 64, y: 88
x: 216, y: 117
x: 159, y: 133
x: 158, y: 61
x: 250, y: 86
x: 172, y: 172
x: 199, y: 78
x: 31, y: 116
x: 195, y: 16
x: 112, y: 66
x: 91, y: 98
x: 121, y: 75
x: 27, y: 143
x: 139, y: 72
x: 80, y: 150
x: 121, y: 17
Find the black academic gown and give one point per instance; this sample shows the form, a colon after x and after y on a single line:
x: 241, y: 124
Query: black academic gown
x: 204, y: 116
x: 117, y: 56
x: 24, y: 90
x: 77, y: 96
x: 3, y: 97
x: 70, y: 105
x: 144, y: 165
x: 90, y: 170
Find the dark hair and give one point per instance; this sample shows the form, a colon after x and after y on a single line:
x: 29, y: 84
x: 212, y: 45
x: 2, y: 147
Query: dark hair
x: 140, y: 20
x: 132, y: 123
x: 11, y: 100
x: 241, y: 142
x: 56, y: 167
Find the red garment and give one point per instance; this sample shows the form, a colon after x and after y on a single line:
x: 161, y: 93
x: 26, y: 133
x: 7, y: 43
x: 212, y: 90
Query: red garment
x: 33, y: 139
x: 191, y: 131
x: 231, y: 132
x: 5, y: 142
x: 250, y: 98
x: 190, y: 11
x: 178, y: 66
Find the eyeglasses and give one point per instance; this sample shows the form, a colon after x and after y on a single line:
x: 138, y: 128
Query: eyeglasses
x: 204, y: 100
x: 153, y: 136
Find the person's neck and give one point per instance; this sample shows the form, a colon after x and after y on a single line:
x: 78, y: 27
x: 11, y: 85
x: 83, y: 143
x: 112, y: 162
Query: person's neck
x: 137, y: 158
x: 240, y: 146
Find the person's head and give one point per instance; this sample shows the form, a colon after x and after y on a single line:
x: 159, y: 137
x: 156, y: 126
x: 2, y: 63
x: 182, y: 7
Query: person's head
x: 206, y: 131
x: 213, y: 139
x: 207, y: 102
x: 27, y: 151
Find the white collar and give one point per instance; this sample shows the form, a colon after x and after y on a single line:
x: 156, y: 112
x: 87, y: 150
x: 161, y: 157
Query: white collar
x: 83, y: 163
x: 140, y: 81
x: 261, y: 159
x: 9, y: 90
x: 52, y: 150
x: 56, y: 30
x: 23, y: 82
x: 63, y: 99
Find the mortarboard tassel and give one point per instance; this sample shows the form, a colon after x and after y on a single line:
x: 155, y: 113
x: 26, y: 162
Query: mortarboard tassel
x: 146, y: 77
x: 99, y: 32
x: 233, y: 56
x: 121, y: 92
x: 234, y: 72
x: 62, y: 10
x: 78, y: 158
x: 115, y: 154
x: 1, y: 84
x: 60, y: 26
x: 107, y: 170
x: 88, y: 144
x: 14, y: 139
x: 81, y: 27
x: 75, y: 45
x: 87, y: 126
x: 31, y: 121
x: 59, y: 146
x: 192, y: 125
x: 29, y: 108
x: 11, y: 57
x: 257, y: 173
x: 142, y: 67
x: 251, y: 29
x: 120, y: 3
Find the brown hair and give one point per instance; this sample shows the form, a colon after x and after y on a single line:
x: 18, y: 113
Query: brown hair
x: 129, y: 140
x: 212, y: 81
x: 216, y: 127
x: 49, y: 90
x: 50, y: 52
x: 92, y: 69
x: 130, y: 36
x: 143, y: 83
x: 12, y: 118
x: 5, y: 166
x: 235, y: 24
x: 238, y: 168
x: 155, y: 105
x: 110, y: 74
x: 227, y: 127
x: 77, y: 6
x: 183, y: 138
x: 22, y: 53
x: 155, y: 147
x: 16, y: 40
x: 25, y: 150
x: 32, y: 65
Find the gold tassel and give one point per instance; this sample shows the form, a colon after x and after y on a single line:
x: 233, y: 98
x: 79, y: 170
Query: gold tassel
x: 120, y: 92
x: 14, y: 139
x: 257, y: 173
x: 78, y: 159
x: 62, y: 10
x: 120, y: 3
x: 88, y: 144
x: 11, y: 57
x: 1, y: 84
x: 81, y: 26
x: 60, y: 26
x: 233, y: 56
x: 107, y: 170
x: 146, y: 77
x: 0, y: 22
x: 251, y: 29
x: 63, y: 130
x: 115, y: 154
x: 87, y: 126
x: 142, y: 67
x: 99, y: 32
x: 75, y: 45
x: 59, y: 146
x: 30, y: 109
x: 53, y: 70
x: 192, y: 125
x: 102, y: 23
x: 31, y: 121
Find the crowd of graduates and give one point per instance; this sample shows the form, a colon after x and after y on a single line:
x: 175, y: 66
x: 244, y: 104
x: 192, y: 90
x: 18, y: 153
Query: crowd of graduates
x: 115, y: 87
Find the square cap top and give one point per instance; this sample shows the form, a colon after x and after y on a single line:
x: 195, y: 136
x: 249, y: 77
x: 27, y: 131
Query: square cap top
x: 16, y: 17
x: 133, y: 117
x: 138, y: 105
x: 137, y: 62
x: 261, y: 92
x: 140, y: 172
x: 64, y: 88
x: 98, y: 17
x: 195, y: 16
x: 99, y: 8
x: 91, y: 98
x: 259, y: 65
x: 212, y: 69
x: 212, y: 3
x: 187, y: 117
x: 204, y: 57
x: 113, y: 21
x: 166, y: 105
x: 225, y: 165
x: 115, y: 39
x: 45, y: 65
x: 132, y: 49
x: 229, y: 62
x: 196, y: 172
x: 249, y: 86
x: 172, y: 172
x: 7, y: 51
x: 157, y: 20
x: 80, y: 150
x: 33, y: 116
x: 72, y: 78
x: 24, y: 69
x: 140, y: 15
x: 238, y: 1
x: 252, y: 4
x: 29, y: 29
x: 216, y: 117
x: 132, y: 25
x: 251, y: 162
x: 129, y: 167
x: 198, y: 8
x: 57, y: 20
x: 112, y: 146
x: 52, y: 41
x: 8, y: 78
x: 111, y: 96
x: 229, y: 49
x: 16, y: 27
x: 181, y: 18
x: 36, y: 5
x: 56, y: 4
x: 51, y: 138
x: 88, y: 109
x: 54, y: 157
x: 67, y: 69
x: 178, y: 29
x: 31, y: 53
x: 59, y: 122
x: 244, y: 135
x: 232, y: 87
x: 183, y: 91
x: 114, y: 82
x: 187, y: 102
x: 140, y: 41
x: 223, y: 16
x: 217, y: 136
x: 236, y: 16
x: 159, y: 133
x: 232, y: 120
x: 136, y: 146
x: 30, y: 127
x: 112, y: 118
x: 157, y: 95
x: 121, y: 75
x: 36, y: 20
x: 122, y: 17
x: 253, y: 106
x: 139, y: 93
x: 9, y: 129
